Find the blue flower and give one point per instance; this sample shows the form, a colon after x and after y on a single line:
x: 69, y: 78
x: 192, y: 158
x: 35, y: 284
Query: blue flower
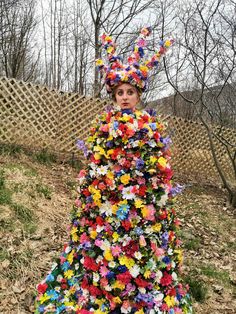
x: 122, y: 268
x: 110, y: 275
x: 139, y: 164
x: 115, y: 125
x: 65, y: 266
x: 166, y: 260
x: 153, y: 126
x: 52, y: 294
x: 50, y: 277
x: 122, y: 212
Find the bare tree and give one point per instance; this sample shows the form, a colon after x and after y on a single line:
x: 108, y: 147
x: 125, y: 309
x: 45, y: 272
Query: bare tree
x: 208, y: 38
x: 17, y: 27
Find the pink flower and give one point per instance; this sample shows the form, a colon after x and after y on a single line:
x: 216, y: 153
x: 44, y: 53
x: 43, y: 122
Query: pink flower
x: 116, y: 250
x: 103, y: 271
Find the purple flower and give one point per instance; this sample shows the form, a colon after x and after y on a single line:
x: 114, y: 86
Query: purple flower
x: 82, y: 146
x: 139, y: 164
x: 166, y: 141
x: 151, y: 111
x: 177, y: 189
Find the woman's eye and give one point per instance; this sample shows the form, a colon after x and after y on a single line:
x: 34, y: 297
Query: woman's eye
x: 130, y: 92
x: 120, y: 93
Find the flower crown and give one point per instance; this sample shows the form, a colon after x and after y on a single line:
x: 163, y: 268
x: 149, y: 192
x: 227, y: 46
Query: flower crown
x: 136, y: 70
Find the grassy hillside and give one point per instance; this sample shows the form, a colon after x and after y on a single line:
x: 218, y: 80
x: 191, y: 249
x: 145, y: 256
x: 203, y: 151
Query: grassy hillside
x: 36, y: 195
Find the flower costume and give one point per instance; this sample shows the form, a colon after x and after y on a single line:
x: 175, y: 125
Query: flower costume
x: 123, y: 255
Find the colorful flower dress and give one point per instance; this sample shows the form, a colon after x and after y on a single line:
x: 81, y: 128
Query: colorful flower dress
x: 123, y: 254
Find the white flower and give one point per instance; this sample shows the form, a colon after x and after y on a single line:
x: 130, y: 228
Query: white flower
x: 159, y: 297
x: 96, y: 277
x: 138, y: 255
x: 127, y: 193
x: 158, y: 276
x: 102, y: 170
x: 92, y: 173
x: 134, y: 271
x: 68, y: 249
x: 105, y: 245
x: 106, y: 208
x: 112, y: 264
x: 142, y: 290
x: 99, y: 259
x: 99, y: 228
x: 163, y: 200
x: 174, y: 276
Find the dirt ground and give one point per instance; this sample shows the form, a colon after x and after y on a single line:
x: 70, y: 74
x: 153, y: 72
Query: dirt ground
x: 34, y: 215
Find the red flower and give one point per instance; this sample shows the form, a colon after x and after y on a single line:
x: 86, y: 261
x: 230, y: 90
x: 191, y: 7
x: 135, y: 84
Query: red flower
x: 163, y: 215
x: 131, y: 248
x: 89, y: 263
x: 86, y: 192
x: 99, y: 221
x: 142, y: 190
x: 126, y: 224
x: 156, y: 135
x: 95, y: 182
x: 166, y: 280
x: 84, y: 284
x: 94, y: 291
x: 141, y: 282
x: 42, y: 287
x: 83, y: 312
x: 124, y: 277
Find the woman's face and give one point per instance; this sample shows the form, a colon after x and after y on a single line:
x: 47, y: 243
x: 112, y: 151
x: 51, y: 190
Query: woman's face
x: 126, y: 96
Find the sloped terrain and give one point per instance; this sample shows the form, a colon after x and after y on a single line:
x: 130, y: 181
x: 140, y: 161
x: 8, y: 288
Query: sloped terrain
x: 36, y: 196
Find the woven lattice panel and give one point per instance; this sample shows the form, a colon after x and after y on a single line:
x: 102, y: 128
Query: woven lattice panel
x: 76, y: 114
x: 28, y: 113
x: 191, y: 149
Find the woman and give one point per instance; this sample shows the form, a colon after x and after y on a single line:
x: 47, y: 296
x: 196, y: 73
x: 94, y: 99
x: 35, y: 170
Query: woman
x: 123, y: 255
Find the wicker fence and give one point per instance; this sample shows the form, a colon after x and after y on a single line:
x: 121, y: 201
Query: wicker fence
x: 37, y: 117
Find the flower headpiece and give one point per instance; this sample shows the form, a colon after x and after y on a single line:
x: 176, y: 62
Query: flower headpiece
x: 136, y: 70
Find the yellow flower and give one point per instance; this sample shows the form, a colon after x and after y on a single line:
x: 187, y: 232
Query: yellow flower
x: 68, y: 303
x: 170, y: 301
x: 162, y: 161
x: 44, y: 298
x: 110, y: 49
x: 73, y: 233
x: 99, y: 62
x: 70, y: 257
x: 93, y: 234
x: 118, y: 285
x: 69, y: 273
x: 138, y: 203
x: 128, y: 262
x: 167, y: 43
x: 145, y: 211
x: 114, y: 208
x: 110, y: 175
x: 115, y: 236
x: 156, y: 227
x: 110, y: 152
x: 97, y: 156
x: 117, y: 300
x: 139, y: 312
x: 153, y: 159
x: 125, y: 179
x: 179, y: 255
x: 147, y: 274
x: 108, y: 255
